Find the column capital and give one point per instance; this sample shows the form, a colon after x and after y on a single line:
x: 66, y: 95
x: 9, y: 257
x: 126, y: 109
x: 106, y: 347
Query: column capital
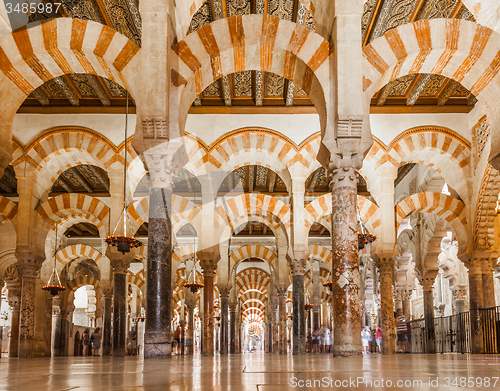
x: 474, y: 265
x: 208, y: 259
x: 343, y: 176
x: 281, y: 290
x: 120, y: 262
x: 163, y: 159
x: 28, y: 263
x: 385, y: 263
x: 428, y: 282
x: 224, y: 292
x: 107, y: 291
x: 459, y: 294
x: 298, y: 267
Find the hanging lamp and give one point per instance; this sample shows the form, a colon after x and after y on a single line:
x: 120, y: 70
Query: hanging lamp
x: 364, y: 237
x: 54, y: 285
x: 123, y: 242
x: 193, y: 286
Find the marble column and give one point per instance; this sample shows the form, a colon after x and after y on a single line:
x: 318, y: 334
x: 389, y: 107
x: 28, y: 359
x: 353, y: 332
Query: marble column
x: 345, y: 263
x: 157, y: 339
x: 48, y: 324
x: 275, y: 320
x: 270, y: 332
x: 282, y: 319
x: 232, y: 328
x: 106, y: 327
x: 27, y: 320
x: 316, y: 325
x: 299, y: 320
x: 459, y: 296
x: 208, y: 265
x: 407, y: 303
x: 14, y: 329
x: 120, y: 265
x: 430, y: 333
x: 475, y: 303
x: 385, y: 265
x: 60, y: 327
x: 190, y: 300
x: 488, y: 284
x: 224, y: 313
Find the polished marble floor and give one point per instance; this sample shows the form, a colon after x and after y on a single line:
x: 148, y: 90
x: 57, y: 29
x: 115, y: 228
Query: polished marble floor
x: 259, y: 372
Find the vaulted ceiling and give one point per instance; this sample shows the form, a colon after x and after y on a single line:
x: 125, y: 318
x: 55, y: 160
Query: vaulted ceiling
x: 255, y: 91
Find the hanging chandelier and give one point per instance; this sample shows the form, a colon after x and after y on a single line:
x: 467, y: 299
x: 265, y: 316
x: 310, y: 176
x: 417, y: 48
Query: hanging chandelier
x: 124, y: 243
x: 54, y: 285
x: 328, y: 284
x: 193, y: 286
x: 364, y: 237
x: 308, y: 307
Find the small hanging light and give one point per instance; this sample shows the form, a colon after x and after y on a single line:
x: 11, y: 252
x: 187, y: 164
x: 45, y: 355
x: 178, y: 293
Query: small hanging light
x: 54, y: 285
x: 123, y: 242
x: 193, y: 286
x: 308, y: 307
x: 364, y: 237
x: 328, y: 284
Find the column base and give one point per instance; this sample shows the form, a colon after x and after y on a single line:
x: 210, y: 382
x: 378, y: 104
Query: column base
x: 347, y: 353
x: 157, y: 350
x: 347, y: 350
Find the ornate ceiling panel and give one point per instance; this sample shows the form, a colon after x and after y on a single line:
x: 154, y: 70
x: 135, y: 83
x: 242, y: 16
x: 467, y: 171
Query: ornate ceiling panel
x: 121, y: 15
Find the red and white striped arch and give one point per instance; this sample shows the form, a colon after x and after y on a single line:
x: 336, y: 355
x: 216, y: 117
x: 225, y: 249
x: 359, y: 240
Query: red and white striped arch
x: 446, y: 207
x: 320, y: 253
x: 321, y: 207
x: 258, y: 278
x: 135, y: 279
x: 253, y: 251
x: 184, y: 212
x: 63, y: 206
x: 8, y: 210
x: 251, y: 42
x: 78, y: 282
x: 76, y: 251
x: 463, y: 51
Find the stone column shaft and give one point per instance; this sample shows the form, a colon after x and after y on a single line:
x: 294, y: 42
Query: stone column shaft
x: 224, y: 322
x: 385, y: 266
x: 106, y: 328
x: 488, y: 285
x: 119, y: 314
x: 27, y: 321
x: 59, y: 341
x: 430, y: 334
x: 232, y: 329
x: 157, y: 339
x: 191, y: 329
x: 282, y: 320
x: 14, y: 331
x: 476, y: 300
x: 299, y: 319
x: 345, y: 264
x: 208, y: 313
x: 48, y: 325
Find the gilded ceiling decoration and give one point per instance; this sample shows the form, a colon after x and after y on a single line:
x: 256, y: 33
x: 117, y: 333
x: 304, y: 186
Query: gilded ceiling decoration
x: 434, y: 86
x: 121, y: 15
x: 242, y: 84
x: 275, y: 85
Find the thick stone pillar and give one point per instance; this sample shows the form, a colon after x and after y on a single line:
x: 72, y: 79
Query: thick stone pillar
x: 270, y: 331
x: 275, y: 320
x: 430, y: 334
x: 385, y: 265
x: 282, y: 319
x: 106, y: 324
x: 120, y: 265
x: 48, y: 324
x: 232, y: 328
x: 14, y: 328
x: 190, y: 300
x: 60, y: 328
x: 475, y: 303
x: 224, y: 314
x: 27, y: 320
x: 407, y: 303
x: 157, y: 339
x: 459, y: 296
x: 299, y: 320
x: 345, y: 263
x: 208, y: 262
x: 488, y: 284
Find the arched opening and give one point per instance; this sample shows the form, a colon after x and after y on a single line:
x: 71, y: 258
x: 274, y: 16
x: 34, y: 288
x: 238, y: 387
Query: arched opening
x: 8, y: 183
x: 253, y: 178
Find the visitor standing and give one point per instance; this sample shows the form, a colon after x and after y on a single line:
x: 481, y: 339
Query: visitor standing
x: 86, y: 343
x: 95, y: 339
x: 378, y: 338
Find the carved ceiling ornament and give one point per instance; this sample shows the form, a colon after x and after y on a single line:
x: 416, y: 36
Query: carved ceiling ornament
x: 481, y: 136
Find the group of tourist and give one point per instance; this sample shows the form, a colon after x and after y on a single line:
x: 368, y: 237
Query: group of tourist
x: 88, y: 344
x: 319, y: 341
x: 403, y: 335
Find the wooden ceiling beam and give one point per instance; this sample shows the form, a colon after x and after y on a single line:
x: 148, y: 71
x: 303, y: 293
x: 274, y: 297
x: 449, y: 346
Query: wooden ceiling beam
x: 419, y: 109
x: 41, y: 97
x: 5, y: 187
x: 64, y: 184
x: 447, y: 92
x: 314, y: 180
x: 98, y: 89
x: 104, y: 13
x: 372, y: 22
x: 250, y: 227
x: 383, y: 94
x: 416, y: 11
x: 76, y: 230
x: 271, y: 179
x: 264, y: 229
x: 456, y: 10
x: 68, y: 92
x: 322, y: 229
x: 417, y: 88
x: 99, y: 175
x: 88, y: 228
x: 82, y: 179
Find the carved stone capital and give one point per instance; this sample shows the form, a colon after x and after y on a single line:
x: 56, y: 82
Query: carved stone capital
x: 385, y: 264
x: 459, y: 294
x: 120, y: 266
x: 224, y: 293
x: 298, y: 266
x: 428, y: 283
x: 342, y: 177
x: 281, y: 290
x: 474, y: 265
x: 107, y: 291
x: 29, y: 264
